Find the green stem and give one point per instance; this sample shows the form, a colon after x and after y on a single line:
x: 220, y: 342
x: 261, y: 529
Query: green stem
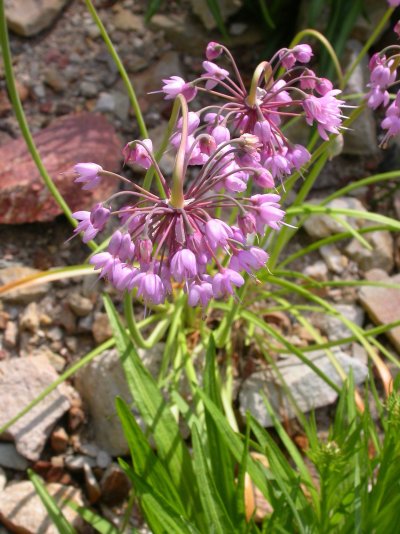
x: 177, y: 198
x: 327, y: 45
x: 260, y: 69
x: 378, y: 29
x: 23, y: 124
x: 121, y: 68
x: 164, y: 143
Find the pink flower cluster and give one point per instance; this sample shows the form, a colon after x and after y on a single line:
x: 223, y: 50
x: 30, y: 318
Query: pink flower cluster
x: 176, y: 237
x: 382, y: 79
x: 261, y: 110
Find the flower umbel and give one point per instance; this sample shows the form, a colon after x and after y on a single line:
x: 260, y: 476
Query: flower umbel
x: 177, y: 237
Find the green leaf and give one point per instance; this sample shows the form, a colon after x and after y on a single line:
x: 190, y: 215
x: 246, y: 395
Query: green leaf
x: 51, y: 506
x: 220, y: 456
x: 152, y: 8
x: 160, y: 516
x: 213, y: 506
x: 156, y: 414
x: 235, y: 444
x: 97, y: 522
x: 145, y: 462
x: 213, y: 6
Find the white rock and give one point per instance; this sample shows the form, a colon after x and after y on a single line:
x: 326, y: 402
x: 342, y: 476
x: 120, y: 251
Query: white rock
x: 381, y: 255
x: 21, y: 509
x: 21, y: 380
x: 307, y: 388
x: 333, y: 327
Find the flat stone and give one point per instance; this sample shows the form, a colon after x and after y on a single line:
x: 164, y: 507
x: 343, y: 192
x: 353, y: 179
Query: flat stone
x: 22, y: 511
x: 380, y: 257
x: 68, y: 140
x: 307, y: 388
x: 334, y: 259
x: 22, y: 295
x: 105, y: 374
x: 21, y: 380
x: 93, y: 490
x: 10, y: 334
x: 323, y: 225
x: 383, y: 305
x: 11, y: 459
x: 333, y: 327
x: 29, y: 17
x: 202, y: 10
x: 100, y: 327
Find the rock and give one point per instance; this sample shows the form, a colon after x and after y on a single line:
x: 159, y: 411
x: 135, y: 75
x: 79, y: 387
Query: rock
x: 78, y: 462
x: 25, y: 294
x: 81, y: 306
x: 115, y: 485
x: 104, y: 374
x: 149, y: 80
x: 226, y: 7
x: 67, y: 141
x: 101, y: 328
x: 383, y: 304
x: 323, y: 225
x: 59, y: 440
x: 184, y: 34
x: 334, y: 259
x: 21, y: 380
x: 3, y: 479
x: 10, y: 335
x: 115, y: 102
x: 308, y: 389
x: 54, y: 79
x: 380, y: 257
x: 361, y: 138
x: 93, y: 490
x: 103, y: 459
x: 11, y: 459
x: 30, y: 17
x: 22, y: 511
x: 318, y: 271
x: 127, y: 21
x: 30, y: 318
x: 88, y: 89
x: 333, y: 327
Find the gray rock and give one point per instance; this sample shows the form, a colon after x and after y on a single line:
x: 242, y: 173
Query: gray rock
x: 24, y: 294
x: 202, y: 10
x: 380, y: 257
x: 77, y: 462
x: 21, y: 509
x: 103, y: 459
x: 361, y: 138
x: 115, y: 102
x: 88, y: 89
x: 307, y: 388
x: 334, y: 259
x: 333, y: 327
x: 29, y: 17
x: 323, y: 225
x: 3, y: 479
x: 21, y: 380
x: 105, y: 375
x: 11, y: 459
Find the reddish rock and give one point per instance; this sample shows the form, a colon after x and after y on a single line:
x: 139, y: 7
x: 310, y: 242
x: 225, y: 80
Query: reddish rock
x: 67, y: 141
